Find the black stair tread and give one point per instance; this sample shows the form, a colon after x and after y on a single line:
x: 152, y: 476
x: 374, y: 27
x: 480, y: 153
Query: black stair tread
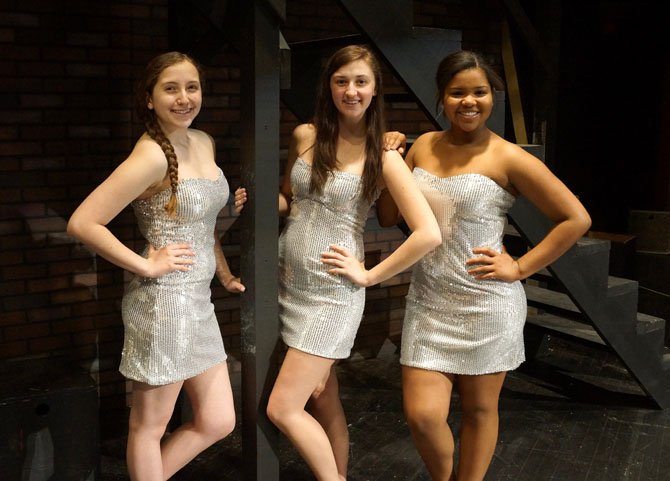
x: 546, y: 298
x: 666, y: 358
x: 615, y: 286
x: 620, y: 285
x: 647, y: 323
x: 565, y: 326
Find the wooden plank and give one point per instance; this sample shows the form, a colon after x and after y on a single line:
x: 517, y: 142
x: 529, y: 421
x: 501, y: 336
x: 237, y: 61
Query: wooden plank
x: 513, y: 91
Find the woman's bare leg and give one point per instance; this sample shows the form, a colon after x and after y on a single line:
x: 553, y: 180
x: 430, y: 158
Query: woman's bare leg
x: 301, y: 376
x: 426, y: 401
x: 326, y: 408
x: 479, y: 426
x: 211, y: 400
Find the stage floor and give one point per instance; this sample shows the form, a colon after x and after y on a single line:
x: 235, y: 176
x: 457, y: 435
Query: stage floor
x: 571, y: 414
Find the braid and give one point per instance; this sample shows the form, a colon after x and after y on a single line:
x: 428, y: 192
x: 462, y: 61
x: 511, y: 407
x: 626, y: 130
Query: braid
x: 143, y: 93
x: 155, y: 132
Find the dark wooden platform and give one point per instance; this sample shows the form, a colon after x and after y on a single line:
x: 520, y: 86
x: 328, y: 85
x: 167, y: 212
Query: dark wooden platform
x: 571, y: 414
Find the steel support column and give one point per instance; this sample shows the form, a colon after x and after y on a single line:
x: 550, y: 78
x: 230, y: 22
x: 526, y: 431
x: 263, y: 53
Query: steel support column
x: 260, y: 84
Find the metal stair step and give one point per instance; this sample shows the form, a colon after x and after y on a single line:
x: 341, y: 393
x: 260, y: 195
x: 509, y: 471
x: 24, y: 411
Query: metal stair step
x: 666, y: 359
x: 646, y: 323
x: 561, y: 303
x: 620, y: 285
x: 546, y: 298
x: 565, y: 326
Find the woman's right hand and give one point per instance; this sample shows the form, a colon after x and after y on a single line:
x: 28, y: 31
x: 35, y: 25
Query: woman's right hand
x: 170, y: 258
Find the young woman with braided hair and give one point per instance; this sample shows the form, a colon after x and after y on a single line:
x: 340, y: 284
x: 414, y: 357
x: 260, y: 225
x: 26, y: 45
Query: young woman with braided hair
x: 172, y: 338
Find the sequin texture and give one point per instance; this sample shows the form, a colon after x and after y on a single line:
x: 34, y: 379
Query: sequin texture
x: 171, y: 332
x: 319, y: 312
x: 453, y: 322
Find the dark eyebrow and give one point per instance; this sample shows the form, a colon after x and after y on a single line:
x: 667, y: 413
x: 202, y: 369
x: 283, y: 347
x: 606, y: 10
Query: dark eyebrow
x: 357, y: 76
x: 474, y: 88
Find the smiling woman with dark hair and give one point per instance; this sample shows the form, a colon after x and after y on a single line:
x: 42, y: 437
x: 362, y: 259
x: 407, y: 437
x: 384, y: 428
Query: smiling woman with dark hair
x: 465, y: 307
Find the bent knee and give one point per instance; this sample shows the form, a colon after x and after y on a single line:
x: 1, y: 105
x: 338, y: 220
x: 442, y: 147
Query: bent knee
x: 217, y: 428
x: 277, y: 411
x: 225, y: 426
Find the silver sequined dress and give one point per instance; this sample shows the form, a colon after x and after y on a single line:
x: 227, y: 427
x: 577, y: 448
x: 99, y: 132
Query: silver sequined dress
x: 171, y: 332
x: 319, y: 312
x: 455, y: 323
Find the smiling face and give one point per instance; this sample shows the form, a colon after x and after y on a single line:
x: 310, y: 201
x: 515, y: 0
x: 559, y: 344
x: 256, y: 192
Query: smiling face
x: 177, y: 97
x: 352, y: 88
x: 468, y: 100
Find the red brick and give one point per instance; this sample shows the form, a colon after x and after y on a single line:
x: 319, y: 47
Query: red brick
x: 9, y: 258
x: 47, y: 224
x: 49, y: 313
x: 93, y: 307
x: 43, y: 163
x: 6, y: 35
x: 88, y: 131
x: 20, y: 148
x: 49, y: 344
x: 14, y: 288
x: 19, y: 20
x: 44, y: 194
x: 41, y: 100
x: 87, y: 39
x: 71, y: 296
x: 20, y: 52
x: 9, y: 350
x: 9, y: 318
x: 72, y: 325
x: 20, y: 117
x: 49, y: 284
x: 129, y: 10
x: 27, y: 301
x: 87, y: 70
x: 26, y: 331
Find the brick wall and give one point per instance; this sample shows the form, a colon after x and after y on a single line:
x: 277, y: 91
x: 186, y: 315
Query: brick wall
x: 66, y: 78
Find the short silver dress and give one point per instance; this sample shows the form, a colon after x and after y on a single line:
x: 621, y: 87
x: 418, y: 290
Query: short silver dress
x: 319, y: 312
x: 171, y: 332
x: 453, y: 322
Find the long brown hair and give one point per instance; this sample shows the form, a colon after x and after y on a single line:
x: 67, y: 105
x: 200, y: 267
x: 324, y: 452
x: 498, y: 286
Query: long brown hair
x: 326, y: 122
x: 145, y: 87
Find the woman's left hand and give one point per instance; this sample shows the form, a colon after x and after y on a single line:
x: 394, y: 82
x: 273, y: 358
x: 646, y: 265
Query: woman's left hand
x: 346, y: 265
x: 240, y: 199
x: 234, y: 285
x: 493, y: 265
x: 395, y: 140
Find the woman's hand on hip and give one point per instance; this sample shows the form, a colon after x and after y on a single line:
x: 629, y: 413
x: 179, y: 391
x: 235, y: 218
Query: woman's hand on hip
x: 170, y: 258
x: 346, y: 265
x: 493, y: 265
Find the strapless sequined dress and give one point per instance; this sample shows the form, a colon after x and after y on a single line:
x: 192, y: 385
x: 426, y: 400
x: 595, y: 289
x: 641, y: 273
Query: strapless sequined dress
x: 319, y: 312
x: 171, y: 332
x: 453, y: 322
